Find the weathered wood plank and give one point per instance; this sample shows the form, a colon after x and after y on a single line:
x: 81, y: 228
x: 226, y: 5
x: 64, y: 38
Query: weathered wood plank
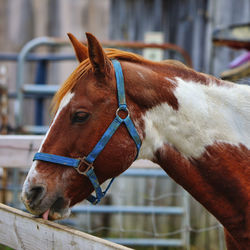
x: 21, y: 230
x: 17, y: 151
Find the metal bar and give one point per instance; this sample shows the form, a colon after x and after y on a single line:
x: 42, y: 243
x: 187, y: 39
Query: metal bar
x: 8, y: 57
x: 145, y: 173
x: 147, y: 242
x: 186, y: 220
x: 41, y: 76
x: 142, y: 45
x: 128, y: 209
x: 9, y: 187
x: 38, y: 130
x: 34, y: 57
x: 36, y: 94
x: 15, y: 199
x: 113, y: 44
x: 49, y: 41
x: 39, y: 89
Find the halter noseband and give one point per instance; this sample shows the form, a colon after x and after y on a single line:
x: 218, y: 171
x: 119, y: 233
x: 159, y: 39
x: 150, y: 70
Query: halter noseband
x: 90, y: 158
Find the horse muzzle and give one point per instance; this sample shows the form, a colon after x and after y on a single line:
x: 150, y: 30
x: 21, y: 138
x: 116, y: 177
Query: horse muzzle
x: 37, y: 202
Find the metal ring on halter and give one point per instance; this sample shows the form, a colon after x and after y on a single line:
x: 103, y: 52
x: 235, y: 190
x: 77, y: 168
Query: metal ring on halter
x: 125, y: 109
x: 89, y: 166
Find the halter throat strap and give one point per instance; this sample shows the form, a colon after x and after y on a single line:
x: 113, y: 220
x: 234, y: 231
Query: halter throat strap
x: 91, y: 157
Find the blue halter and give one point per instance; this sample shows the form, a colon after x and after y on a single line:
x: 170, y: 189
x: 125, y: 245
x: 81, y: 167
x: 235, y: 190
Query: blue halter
x: 90, y: 158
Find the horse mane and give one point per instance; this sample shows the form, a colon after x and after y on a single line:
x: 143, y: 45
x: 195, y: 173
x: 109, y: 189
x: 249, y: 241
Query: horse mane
x: 85, y: 66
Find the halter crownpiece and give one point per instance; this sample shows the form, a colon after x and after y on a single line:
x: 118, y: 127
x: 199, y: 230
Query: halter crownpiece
x: 90, y: 158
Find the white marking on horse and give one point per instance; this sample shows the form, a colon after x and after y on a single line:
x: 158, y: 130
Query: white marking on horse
x: 140, y: 74
x: 206, y: 114
x: 170, y: 80
x: 64, y: 102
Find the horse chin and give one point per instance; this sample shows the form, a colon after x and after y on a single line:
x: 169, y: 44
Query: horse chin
x: 57, y: 211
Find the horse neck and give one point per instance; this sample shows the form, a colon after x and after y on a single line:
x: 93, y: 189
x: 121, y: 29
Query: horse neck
x: 218, y: 180
x: 149, y: 85
x: 187, y: 119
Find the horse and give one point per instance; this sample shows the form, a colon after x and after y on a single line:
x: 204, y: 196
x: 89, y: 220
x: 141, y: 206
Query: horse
x: 116, y: 106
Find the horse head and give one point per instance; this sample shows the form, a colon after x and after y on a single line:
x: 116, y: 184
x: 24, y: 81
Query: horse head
x: 85, y: 106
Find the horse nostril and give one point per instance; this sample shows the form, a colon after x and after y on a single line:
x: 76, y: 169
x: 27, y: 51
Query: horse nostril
x: 35, y: 195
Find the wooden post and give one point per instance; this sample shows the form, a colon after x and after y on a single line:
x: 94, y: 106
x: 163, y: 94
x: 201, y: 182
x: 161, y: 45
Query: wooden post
x: 3, y: 100
x: 4, y: 185
x: 3, y: 122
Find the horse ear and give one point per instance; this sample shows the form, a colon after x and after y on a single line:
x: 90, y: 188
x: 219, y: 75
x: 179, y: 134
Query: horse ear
x: 97, y: 56
x: 81, y: 50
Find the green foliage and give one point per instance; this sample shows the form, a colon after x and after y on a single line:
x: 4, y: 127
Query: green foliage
x: 2, y: 247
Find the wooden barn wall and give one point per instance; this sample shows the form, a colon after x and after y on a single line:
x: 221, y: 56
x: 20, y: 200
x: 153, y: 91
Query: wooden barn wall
x: 187, y: 23
x: 23, y: 20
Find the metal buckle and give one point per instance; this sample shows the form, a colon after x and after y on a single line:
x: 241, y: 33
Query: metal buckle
x: 89, y: 166
x: 122, y: 109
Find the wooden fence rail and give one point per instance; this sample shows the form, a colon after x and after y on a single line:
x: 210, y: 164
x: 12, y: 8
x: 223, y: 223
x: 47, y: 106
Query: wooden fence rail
x: 21, y: 230
x: 17, y: 151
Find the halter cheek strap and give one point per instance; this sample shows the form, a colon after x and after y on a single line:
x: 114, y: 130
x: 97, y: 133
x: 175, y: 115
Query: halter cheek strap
x: 90, y: 158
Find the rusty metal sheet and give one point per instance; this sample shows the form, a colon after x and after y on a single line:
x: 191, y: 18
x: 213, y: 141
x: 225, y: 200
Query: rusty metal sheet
x: 234, y: 36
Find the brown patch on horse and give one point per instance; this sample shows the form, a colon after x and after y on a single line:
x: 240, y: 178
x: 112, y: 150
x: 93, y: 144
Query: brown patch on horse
x: 138, y: 78
x: 219, y: 180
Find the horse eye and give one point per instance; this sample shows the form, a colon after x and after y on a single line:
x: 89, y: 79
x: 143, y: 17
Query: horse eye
x: 80, y: 117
